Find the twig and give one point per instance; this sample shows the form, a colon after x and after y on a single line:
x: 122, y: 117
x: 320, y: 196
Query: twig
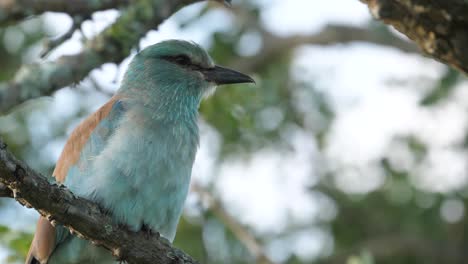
x: 99, y: 87
x: 51, y: 44
x: 332, y: 34
x: 244, y: 236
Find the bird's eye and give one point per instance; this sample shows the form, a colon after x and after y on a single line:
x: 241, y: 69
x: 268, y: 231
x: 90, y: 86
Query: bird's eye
x: 182, y: 60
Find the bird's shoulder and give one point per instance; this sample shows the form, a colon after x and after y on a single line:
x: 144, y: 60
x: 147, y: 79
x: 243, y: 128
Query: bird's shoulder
x: 95, y: 128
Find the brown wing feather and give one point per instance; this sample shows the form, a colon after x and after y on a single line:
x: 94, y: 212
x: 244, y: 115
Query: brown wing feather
x: 77, y: 140
x: 43, y: 242
x: 44, y: 239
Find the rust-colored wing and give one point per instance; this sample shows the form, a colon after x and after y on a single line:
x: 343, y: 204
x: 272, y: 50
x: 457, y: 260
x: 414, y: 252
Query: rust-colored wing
x: 44, y: 242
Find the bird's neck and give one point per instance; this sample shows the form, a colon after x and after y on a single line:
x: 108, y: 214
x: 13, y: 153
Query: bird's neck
x: 171, y: 103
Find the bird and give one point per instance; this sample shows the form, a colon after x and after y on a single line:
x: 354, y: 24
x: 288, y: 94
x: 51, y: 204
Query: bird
x: 134, y: 155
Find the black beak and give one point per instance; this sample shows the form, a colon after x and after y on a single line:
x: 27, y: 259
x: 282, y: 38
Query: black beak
x: 221, y: 75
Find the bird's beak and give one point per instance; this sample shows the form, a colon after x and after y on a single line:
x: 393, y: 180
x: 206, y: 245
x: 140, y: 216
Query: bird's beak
x: 221, y: 75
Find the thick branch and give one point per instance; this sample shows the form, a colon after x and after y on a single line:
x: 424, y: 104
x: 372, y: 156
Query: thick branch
x: 16, y: 10
x: 440, y: 28
x: 112, y: 45
x: 83, y: 217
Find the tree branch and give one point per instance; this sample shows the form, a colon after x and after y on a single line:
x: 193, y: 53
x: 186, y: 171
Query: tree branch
x: 5, y: 192
x: 440, y: 28
x: 112, y: 45
x: 51, y: 44
x: 242, y: 234
x: 331, y: 34
x: 16, y: 10
x: 83, y: 217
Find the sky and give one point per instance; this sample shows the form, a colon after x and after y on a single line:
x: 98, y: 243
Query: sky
x: 372, y: 104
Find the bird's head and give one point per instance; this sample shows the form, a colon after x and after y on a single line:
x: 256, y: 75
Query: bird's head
x: 178, y: 68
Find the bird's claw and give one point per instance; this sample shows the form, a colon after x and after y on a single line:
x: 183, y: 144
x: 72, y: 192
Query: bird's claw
x: 147, y: 231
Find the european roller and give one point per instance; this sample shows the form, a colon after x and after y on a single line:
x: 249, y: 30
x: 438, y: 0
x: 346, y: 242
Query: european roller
x: 134, y: 155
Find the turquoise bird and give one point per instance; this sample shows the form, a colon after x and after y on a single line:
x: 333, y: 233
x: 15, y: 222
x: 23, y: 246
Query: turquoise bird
x: 134, y: 155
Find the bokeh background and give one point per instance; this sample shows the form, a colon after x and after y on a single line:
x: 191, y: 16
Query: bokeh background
x: 350, y: 149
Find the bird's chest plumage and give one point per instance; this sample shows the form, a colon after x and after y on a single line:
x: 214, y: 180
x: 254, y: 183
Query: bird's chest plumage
x: 143, y: 172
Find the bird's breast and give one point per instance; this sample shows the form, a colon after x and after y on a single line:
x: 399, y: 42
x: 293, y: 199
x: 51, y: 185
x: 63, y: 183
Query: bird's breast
x: 143, y: 174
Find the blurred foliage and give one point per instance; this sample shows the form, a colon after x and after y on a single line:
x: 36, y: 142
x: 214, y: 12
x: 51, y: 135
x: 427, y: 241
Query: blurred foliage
x: 397, y: 223
x: 16, y: 42
x: 443, y: 88
x: 17, y: 242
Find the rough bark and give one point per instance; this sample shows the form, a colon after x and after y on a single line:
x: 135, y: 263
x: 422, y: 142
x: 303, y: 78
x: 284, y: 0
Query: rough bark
x: 83, y: 217
x: 5, y: 192
x: 440, y: 28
